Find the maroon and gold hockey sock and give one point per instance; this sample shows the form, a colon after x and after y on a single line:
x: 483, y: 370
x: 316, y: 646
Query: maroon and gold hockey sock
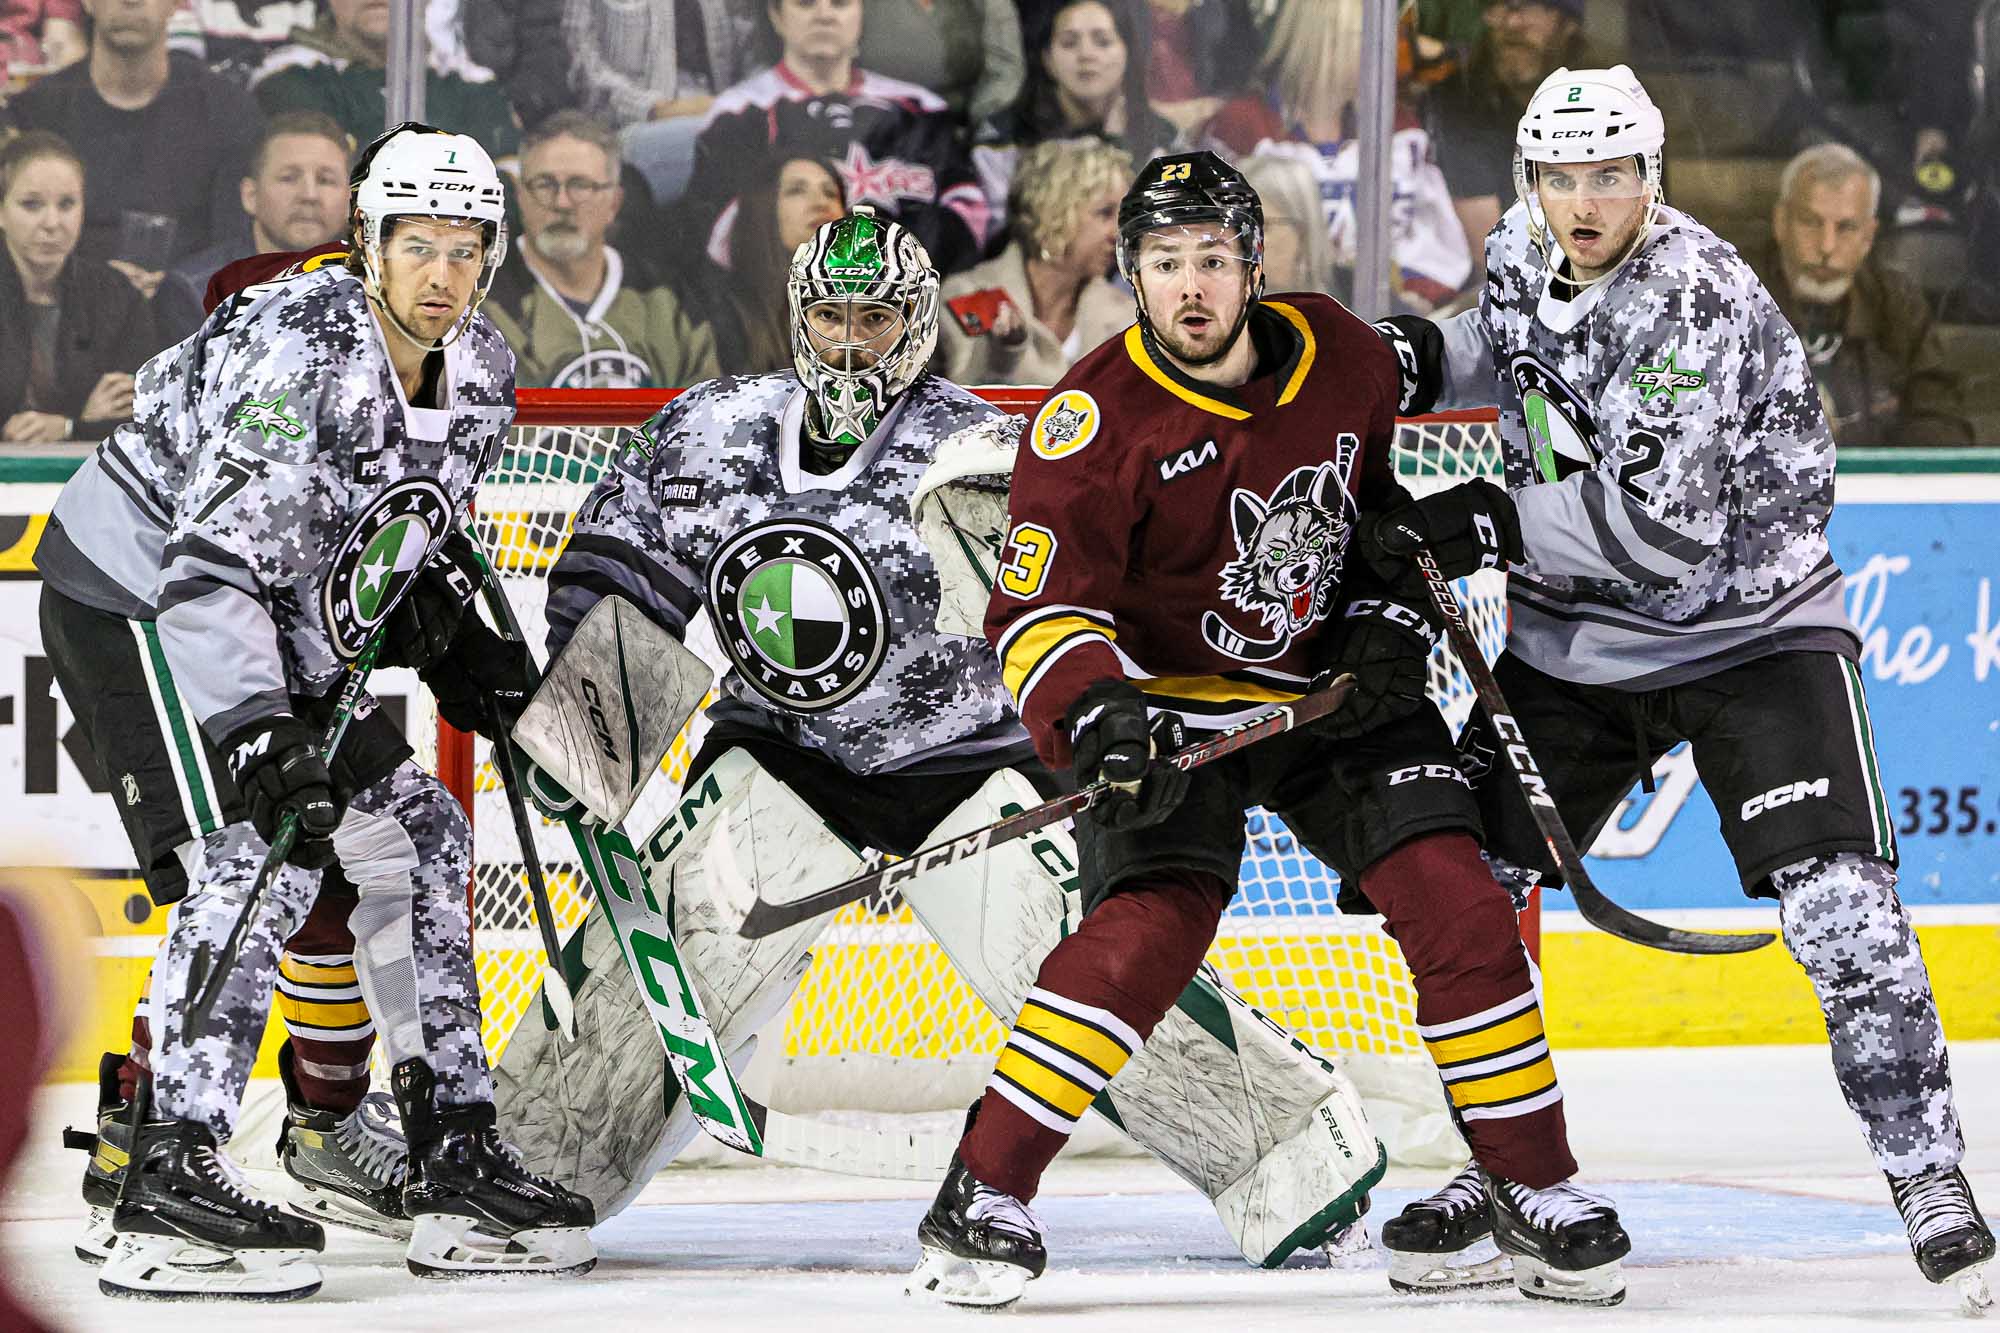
x: 319, y: 997
x: 1096, y: 1000
x: 1476, y: 1006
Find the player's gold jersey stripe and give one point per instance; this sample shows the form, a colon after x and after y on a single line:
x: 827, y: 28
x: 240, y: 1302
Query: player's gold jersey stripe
x: 1034, y: 643
x: 1504, y: 1087
x: 1215, y: 689
x: 1486, y: 1041
x: 1095, y: 1048
x: 1135, y: 347
x: 1061, y: 1092
x: 1298, y: 379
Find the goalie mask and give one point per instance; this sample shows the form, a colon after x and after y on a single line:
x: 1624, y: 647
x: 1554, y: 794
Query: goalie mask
x: 1208, y: 202
x: 1582, y: 117
x: 864, y: 307
x: 417, y: 171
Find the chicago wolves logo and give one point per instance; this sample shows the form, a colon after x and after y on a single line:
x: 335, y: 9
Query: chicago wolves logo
x: 1289, y: 548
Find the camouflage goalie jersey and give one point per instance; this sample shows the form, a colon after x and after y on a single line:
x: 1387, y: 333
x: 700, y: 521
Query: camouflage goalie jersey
x: 274, y: 491
x: 1665, y: 447
x: 819, y: 588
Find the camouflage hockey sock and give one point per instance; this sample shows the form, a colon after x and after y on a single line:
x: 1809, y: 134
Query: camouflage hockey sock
x: 1097, y: 998
x: 1476, y: 1005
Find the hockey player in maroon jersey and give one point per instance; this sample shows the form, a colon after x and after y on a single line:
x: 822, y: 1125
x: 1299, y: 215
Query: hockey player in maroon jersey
x: 1177, y: 554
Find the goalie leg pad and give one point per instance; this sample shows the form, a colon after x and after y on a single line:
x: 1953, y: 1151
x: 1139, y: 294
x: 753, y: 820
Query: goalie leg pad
x: 589, y: 1113
x: 1276, y: 1137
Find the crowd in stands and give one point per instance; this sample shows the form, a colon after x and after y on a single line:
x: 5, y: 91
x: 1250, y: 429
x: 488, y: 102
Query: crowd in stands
x: 666, y: 156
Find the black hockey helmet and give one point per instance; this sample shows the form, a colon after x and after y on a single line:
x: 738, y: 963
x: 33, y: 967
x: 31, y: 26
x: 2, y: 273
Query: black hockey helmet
x: 1189, y: 187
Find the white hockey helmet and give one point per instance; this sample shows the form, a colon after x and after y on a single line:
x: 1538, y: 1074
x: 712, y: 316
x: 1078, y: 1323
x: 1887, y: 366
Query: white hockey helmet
x: 1587, y: 115
x: 417, y: 170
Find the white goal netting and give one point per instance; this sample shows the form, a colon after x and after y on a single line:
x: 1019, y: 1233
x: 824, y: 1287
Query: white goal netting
x: 881, y: 1021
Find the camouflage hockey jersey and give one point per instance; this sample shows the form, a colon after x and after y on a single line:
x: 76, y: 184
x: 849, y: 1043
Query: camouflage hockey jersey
x: 819, y: 588
x: 1666, y: 449
x: 281, y: 487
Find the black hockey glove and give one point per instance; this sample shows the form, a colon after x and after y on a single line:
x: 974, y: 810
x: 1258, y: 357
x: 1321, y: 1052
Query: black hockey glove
x: 484, y: 682
x: 424, y: 623
x: 1387, y: 647
x: 1112, y: 740
x: 1469, y: 527
x: 277, y: 767
x: 1419, y: 348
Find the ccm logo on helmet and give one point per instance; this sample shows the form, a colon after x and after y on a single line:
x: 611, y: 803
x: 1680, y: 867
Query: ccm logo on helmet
x: 1572, y: 134
x: 1785, y: 795
x: 1435, y: 772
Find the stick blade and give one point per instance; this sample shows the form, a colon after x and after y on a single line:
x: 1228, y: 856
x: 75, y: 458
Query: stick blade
x: 1612, y: 919
x: 555, y: 990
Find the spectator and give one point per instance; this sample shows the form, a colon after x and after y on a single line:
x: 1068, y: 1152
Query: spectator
x: 779, y: 213
x: 338, y: 67
x: 1026, y: 315
x: 72, y: 331
x: 563, y: 299
x: 234, y: 37
x: 1298, y: 253
x: 1475, y: 111
x: 1197, y: 57
x: 1868, y: 333
x: 163, y: 141
x: 966, y: 51
x: 522, y: 42
x: 1086, y: 75
x: 892, y: 142
x: 1313, y: 67
x: 653, y: 71
x: 40, y: 35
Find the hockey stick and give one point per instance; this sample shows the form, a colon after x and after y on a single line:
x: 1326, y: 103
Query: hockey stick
x: 765, y: 918
x: 216, y: 971
x: 556, y: 987
x: 700, y: 1066
x: 1597, y: 909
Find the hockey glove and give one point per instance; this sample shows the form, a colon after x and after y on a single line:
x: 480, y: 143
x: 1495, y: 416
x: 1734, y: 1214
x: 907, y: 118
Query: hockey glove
x: 278, y: 769
x: 1387, y: 648
x: 1470, y: 527
x: 424, y: 623
x: 484, y: 682
x: 1113, y: 741
x: 1419, y: 348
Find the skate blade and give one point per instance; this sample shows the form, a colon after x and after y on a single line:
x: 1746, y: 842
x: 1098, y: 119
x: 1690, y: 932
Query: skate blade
x: 1479, y: 1265
x: 1975, y: 1290
x: 99, y: 1239
x: 447, y: 1246
x: 979, y: 1284
x: 1602, y: 1285
x: 149, y: 1268
x: 333, y: 1208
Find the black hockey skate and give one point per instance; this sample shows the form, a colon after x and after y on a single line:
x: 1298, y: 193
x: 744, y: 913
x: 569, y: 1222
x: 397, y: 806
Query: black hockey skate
x: 1565, y: 1243
x: 1950, y: 1240
x: 473, y: 1207
x: 109, y: 1148
x: 347, y: 1169
x: 1444, y: 1242
x: 981, y: 1247
x: 181, y: 1191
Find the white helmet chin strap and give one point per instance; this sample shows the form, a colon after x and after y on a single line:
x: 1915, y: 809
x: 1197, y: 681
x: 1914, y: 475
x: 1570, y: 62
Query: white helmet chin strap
x: 1550, y: 245
x: 378, y: 296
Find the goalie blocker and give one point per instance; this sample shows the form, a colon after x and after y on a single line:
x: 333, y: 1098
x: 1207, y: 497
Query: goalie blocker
x: 1274, y: 1136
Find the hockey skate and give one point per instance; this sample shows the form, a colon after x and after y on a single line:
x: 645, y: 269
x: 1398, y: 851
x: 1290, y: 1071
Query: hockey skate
x: 1565, y: 1243
x: 1444, y: 1242
x: 1950, y: 1240
x: 109, y: 1149
x: 346, y: 1169
x: 473, y: 1207
x: 180, y: 1193
x: 981, y: 1247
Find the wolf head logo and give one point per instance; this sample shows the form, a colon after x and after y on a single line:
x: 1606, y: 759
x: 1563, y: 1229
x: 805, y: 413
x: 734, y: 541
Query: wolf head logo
x: 1289, y: 551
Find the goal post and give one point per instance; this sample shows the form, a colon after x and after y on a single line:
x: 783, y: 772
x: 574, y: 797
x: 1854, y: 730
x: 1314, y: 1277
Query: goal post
x: 1336, y: 981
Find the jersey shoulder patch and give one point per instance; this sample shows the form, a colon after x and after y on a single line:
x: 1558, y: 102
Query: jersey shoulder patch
x: 1065, y: 425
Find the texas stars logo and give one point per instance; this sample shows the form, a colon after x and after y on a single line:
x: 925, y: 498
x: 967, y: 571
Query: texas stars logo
x: 1561, y: 432
x: 798, y: 612
x: 379, y: 558
x: 1667, y: 381
x: 268, y: 418
x: 1066, y: 423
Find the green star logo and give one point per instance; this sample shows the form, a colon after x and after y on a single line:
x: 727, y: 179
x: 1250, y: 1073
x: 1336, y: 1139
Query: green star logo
x: 1667, y: 381
x: 269, y: 418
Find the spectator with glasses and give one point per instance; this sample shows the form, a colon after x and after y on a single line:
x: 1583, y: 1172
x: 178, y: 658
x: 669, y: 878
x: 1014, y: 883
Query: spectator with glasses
x: 568, y: 304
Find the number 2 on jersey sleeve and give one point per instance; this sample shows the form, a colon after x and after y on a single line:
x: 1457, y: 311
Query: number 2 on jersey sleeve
x: 1029, y: 547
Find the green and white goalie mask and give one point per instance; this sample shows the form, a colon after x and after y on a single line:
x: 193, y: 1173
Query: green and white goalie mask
x: 864, y: 301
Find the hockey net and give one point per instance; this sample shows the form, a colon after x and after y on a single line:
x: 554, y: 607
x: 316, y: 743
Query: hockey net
x: 881, y: 1022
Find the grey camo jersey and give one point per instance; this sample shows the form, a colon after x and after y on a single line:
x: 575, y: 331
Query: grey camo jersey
x: 1665, y: 447
x: 819, y: 588
x: 285, y: 420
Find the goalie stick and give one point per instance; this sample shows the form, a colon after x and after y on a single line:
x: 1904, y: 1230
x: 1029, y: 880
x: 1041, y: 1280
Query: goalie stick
x: 766, y: 918
x: 1597, y: 909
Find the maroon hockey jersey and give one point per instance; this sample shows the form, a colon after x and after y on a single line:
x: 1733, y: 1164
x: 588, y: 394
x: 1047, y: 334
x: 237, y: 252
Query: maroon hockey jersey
x: 1188, y: 538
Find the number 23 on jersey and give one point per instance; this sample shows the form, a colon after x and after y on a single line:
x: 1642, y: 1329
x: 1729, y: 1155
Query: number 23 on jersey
x: 1029, y: 547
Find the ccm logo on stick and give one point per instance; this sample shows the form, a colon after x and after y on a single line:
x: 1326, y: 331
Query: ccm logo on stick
x: 1785, y: 795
